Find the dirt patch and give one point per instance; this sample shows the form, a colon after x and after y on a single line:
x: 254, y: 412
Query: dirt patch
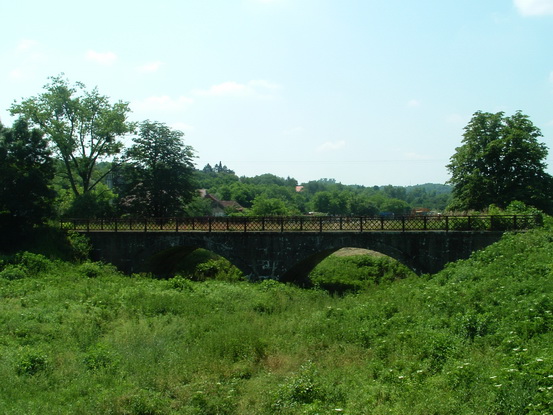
x: 357, y: 251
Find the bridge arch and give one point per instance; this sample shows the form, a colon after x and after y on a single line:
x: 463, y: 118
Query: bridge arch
x: 299, y: 272
x: 166, y: 262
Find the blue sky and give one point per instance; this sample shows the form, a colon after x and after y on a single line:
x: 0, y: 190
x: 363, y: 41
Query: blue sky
x: 367, y: 92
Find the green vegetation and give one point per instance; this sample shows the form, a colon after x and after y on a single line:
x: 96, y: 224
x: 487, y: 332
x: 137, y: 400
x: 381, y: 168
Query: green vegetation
x: 500, y: 161
x: 475, y: 338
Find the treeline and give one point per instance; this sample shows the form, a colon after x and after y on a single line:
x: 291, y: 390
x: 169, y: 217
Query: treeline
x: 268, y: 194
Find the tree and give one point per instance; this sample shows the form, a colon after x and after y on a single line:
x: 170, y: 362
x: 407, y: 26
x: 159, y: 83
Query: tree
x: 26, y: 170
x: 263, y: 206
x: 500, y: 161
x: 158, y: 178
x: 82, y: 126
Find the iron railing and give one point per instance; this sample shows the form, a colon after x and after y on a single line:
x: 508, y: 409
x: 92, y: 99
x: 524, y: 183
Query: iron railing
x: 307, y: 224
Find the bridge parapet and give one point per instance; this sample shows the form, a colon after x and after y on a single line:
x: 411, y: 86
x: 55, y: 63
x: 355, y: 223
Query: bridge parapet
x: 319, y: 224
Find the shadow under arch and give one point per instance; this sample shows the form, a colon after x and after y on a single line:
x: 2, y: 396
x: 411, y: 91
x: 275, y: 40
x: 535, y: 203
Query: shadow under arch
x: 299, y: 273
x: 166, y: 263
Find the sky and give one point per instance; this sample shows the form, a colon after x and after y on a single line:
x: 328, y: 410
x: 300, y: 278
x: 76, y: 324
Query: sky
x: 368, y: 92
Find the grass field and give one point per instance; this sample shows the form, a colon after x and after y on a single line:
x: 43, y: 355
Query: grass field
x: 477, y: 338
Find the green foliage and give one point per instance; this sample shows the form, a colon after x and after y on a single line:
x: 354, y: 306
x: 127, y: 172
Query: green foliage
x: 340, y: 274
x: 82, y: 126
x: 26, y: 170
x: 476, y: 337
x: 263, y: 206
x: 79, y: 245
x: 157, y: 180
x: 500, y: 161
x: 96, y: 203
x: 101, y: 357
x: 215, y: 269
x: 13, y: 272
x: 30, y: 362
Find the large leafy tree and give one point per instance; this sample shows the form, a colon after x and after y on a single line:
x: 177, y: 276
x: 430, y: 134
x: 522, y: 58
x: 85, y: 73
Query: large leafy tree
x: 158, y: 178
x: 26, y: 170
x: 500, y: 160
x: 82, y: 126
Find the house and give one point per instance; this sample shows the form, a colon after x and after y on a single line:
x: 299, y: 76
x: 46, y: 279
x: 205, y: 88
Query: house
x: 221, y: 207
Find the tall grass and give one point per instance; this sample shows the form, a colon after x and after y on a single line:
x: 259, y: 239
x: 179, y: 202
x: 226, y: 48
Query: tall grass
x: 473, y: 339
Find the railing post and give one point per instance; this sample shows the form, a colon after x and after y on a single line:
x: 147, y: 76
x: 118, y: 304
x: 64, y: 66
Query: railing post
x: 281, y: 224
x: 382, y: 223
x: 193, y: 224
x: 209, y: 224
x: 514, y: 222
x: 88, y: 225
x: 469, y: 225
x: 403, y: 223
x: 425, y: 221
x: 176, y: 224
x: 360, y: 223
x: 145, y: 225
x: 245, y: 224
x: 115, y: 224
x: 320, y: 224
x: 227, y: 223
x: 341, y: 223
x: 102, y: 224
x: 263, y: 223
x: 447, y: 223
x: 301, y: 223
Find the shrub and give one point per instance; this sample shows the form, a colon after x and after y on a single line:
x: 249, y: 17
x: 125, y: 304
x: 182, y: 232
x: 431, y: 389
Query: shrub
x: 31, y: 362
x: 13, y: 272
x: 80, y: 245
x: 100, y: 357
x: 34, y: 263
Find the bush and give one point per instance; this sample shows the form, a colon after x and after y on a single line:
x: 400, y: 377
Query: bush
x: 13, y: 272
x: 31, y: 362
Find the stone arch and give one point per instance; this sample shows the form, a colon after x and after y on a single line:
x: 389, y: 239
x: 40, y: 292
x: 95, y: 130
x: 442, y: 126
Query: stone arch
x: 299, y: 272
x: 164, y: 262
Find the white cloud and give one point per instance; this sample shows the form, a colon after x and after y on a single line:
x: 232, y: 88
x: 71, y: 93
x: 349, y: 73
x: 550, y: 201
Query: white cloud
x: 150, y: 67
x: 28, y: 57
x: 331, y: 146
x: 103, y: 58
x: 17, y: 74
x: 26, y: 44
x: 162, y: 103
x: 256, y: 89
x: 414, y: 103
x: 534, y: 7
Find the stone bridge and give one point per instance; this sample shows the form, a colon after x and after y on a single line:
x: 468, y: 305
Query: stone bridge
x: 287, y: 249
x: 283, y: 256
